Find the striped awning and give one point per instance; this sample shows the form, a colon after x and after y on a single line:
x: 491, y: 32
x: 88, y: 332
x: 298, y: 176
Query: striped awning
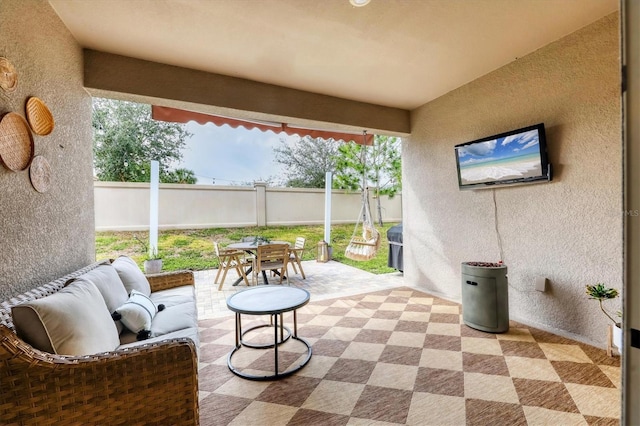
x: 175, y: 115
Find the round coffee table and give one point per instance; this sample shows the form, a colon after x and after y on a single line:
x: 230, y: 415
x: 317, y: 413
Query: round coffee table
x: 273, y: 301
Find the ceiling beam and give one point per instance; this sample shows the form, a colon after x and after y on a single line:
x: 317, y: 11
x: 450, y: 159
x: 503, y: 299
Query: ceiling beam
x: 116, y: 76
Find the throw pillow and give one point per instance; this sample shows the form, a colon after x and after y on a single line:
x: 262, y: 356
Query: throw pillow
x: 137, y: 313
x: 131, y: 275
x: 72, y: 321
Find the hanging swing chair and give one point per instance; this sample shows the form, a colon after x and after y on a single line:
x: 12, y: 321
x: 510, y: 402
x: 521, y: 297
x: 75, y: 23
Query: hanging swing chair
x: 365, y: 246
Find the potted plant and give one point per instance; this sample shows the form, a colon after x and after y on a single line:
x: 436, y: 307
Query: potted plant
x: 601, y: 293
x: 152, y: 262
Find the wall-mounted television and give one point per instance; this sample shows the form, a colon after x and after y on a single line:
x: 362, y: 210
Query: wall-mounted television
x: 510, y: 158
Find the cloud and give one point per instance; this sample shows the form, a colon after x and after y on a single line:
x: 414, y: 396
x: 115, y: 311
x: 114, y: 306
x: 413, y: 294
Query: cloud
x: 528, y: 139
x: 231, y: 156
x: 478, y: 149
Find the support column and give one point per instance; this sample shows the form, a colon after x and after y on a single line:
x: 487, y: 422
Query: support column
x: 261, y: 203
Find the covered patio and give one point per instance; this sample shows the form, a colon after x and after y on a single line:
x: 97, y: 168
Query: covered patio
x: 388, y: 352
x: 435, y: 72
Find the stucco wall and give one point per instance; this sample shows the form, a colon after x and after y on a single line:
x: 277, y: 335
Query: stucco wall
x: 43, y: 236
x: 124, y: 206
x: 570, y: 230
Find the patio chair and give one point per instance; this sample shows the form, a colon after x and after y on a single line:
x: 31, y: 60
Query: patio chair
x: 271, y: 257
x: 295, y: 255
x: 230, y: 259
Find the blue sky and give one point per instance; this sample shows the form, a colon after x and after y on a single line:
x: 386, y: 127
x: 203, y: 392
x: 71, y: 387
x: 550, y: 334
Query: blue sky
x: 496, y: 149
x: 231, y: 156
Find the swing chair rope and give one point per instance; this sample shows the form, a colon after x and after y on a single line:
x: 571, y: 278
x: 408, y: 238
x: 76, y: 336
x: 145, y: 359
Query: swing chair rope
x: 365, y: 247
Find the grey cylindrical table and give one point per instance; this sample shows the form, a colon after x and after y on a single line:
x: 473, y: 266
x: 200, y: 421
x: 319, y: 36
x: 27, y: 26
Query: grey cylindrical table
x: 485, y: 296
x: 273, y: 301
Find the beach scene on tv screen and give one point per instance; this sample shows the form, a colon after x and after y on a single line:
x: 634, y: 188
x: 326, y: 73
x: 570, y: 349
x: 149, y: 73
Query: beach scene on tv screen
x: 512, y: 157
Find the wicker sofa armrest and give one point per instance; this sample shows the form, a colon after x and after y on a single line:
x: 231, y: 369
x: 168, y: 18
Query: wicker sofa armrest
x: 167, y: 280
x: 149, y: 384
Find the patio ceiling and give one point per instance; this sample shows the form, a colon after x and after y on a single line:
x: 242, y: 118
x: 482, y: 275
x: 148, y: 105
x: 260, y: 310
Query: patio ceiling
x: 392, y: 53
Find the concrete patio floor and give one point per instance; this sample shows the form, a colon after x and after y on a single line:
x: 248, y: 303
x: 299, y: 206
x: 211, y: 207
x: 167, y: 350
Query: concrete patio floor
x: 323, y: 281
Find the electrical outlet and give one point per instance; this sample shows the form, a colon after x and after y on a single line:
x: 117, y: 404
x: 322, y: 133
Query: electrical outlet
x: 541, y: 284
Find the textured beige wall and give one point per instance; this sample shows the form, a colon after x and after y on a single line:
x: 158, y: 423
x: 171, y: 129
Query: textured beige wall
x: 43, y: 236
x: 570, y: 230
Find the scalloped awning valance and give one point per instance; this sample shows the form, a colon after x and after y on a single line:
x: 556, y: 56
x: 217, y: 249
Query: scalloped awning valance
x: 176, y: 115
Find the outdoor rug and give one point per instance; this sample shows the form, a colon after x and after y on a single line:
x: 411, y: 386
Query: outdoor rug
x: 401, y: 356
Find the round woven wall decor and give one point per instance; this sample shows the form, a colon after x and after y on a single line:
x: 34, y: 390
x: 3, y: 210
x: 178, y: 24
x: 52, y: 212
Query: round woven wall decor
x: 16, y: 142
x: 40, y: 174
x: 39, y: 117
x: 8, y: 75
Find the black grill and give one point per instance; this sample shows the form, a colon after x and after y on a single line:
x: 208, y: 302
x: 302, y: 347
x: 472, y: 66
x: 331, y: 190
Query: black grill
x: 394, y: 235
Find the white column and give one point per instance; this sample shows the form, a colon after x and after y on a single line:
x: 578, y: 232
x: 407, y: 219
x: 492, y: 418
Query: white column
x: 327, y: 207
x: 154, y: 189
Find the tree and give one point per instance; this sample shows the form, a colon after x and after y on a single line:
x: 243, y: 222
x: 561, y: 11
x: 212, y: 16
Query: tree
x: 379, y: 164
x: 126, y: 139
x: 180, y: 176
x: 307, y: 161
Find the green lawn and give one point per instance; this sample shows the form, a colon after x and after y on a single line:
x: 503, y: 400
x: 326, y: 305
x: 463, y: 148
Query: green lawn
x: 193, y: 249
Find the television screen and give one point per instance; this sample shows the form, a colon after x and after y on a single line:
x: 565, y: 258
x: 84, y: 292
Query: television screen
x: 515, y: 157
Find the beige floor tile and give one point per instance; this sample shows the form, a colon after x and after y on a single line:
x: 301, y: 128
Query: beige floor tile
x: 538, y: 416
x: 445, y: 309
x: 334, y: 397
x: 342, y: 333
x: 405, y: 338
x: 613, y: 373
x: 446, y: 360
x: 477, y: 345
x: 229, y: 324
x: 595, y: 401
x: 427, y: 409
x: 517, y: 334
x: 312, y: 309
x: 363, y: 351
x: 374, y: 298
x: 393, y: 376
x: 401, y: 293
x: 242, y: 388
x: 530, y: 368
x: 344, y: 303
x: 354, y: 421
x: 392, y: 307
x: 264, y: 413
x: 381, y: 324
x: 360, y: 313
x: 562, y: 352
x: 415, y: 316
x: 242, y: 357
x: 490, y: 388
x: 324, y: 320
x: 318, y: 366
x: 421, y: 300
x: 443, y: 329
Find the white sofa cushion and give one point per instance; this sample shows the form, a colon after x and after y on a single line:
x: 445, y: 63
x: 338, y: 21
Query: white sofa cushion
x: 173, y: 318
x: 191, y: 332
x: 72, y: 321
x: 106, y: 278
x: 174, y: 296
x: 131, y: 275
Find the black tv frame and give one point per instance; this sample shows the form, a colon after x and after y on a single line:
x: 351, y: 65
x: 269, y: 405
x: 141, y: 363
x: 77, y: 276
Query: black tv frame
x: 546, y: 168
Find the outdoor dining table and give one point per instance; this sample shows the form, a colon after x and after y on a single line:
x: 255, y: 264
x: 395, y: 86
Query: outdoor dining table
x: 251, y: 247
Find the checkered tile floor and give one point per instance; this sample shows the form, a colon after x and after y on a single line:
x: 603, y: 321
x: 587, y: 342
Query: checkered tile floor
x: 401, y: 356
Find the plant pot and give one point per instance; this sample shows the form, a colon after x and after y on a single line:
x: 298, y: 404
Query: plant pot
x: 617, y: 337
x: 153, y: 266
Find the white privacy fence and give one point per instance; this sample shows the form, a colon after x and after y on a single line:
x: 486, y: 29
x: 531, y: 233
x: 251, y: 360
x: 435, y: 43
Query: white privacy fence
x: 125, y: 206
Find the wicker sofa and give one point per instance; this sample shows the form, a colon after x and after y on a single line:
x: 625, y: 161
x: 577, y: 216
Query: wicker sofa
x: 152, y: 381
